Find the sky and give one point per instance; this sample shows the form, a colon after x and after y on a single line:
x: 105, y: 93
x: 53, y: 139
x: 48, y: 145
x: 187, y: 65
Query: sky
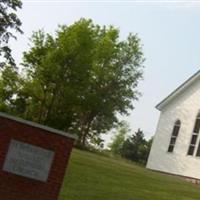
x: 169, y: 32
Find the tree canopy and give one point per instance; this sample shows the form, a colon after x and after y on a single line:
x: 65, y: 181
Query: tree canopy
x: 136, y: 147
x: 9, y: 22
x: 132, y: 147
x: 79, y: 79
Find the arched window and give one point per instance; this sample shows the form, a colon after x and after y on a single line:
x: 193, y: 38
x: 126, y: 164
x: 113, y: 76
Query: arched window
x: 195, y: 137
x: 174, y: 135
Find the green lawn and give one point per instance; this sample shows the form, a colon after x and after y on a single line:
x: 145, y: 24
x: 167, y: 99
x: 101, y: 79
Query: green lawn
x: 94, y: 177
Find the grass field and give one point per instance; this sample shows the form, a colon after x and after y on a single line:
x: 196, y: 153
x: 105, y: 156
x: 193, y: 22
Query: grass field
x: 95, y: 177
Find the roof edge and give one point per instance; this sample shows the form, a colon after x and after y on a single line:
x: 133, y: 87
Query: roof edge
x: 178, y: 90
x: 36, y: 125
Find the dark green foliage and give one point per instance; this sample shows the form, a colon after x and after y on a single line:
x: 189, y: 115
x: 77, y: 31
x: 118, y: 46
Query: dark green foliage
x: 79, y: 79
x: 9, y: 86
x: 8, y: 22
x: 136, y: 147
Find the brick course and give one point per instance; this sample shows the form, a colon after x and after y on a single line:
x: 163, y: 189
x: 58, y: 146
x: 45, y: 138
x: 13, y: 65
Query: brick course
x: 14, y: 187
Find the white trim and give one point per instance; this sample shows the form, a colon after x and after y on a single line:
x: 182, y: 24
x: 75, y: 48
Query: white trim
x: 33, y: 124
x: 177, y: 91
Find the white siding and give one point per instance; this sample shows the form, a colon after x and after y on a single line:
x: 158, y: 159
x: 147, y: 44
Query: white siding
x: 184, y: 107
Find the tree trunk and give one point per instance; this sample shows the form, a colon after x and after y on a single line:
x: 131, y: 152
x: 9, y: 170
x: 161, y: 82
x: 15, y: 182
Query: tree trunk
x: 51, y: 105
x: 85, y: 134
x: 42, y: 108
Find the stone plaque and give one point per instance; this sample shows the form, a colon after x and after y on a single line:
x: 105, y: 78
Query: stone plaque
x: 28, y: 160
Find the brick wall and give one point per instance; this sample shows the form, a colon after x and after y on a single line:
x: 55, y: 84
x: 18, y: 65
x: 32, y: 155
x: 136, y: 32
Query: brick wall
x: 15, y: 187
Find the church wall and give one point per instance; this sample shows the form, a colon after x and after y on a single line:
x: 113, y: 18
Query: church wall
x: 184, y: 107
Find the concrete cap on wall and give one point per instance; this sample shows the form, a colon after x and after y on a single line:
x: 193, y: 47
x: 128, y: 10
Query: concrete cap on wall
x: 33, y: 124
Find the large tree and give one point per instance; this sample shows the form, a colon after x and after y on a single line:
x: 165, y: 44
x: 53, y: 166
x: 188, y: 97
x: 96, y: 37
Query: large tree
x: 79, y: 79
x: 9, y: 22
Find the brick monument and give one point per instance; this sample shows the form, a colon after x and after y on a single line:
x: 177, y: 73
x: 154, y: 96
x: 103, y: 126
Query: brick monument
x: 33, y: 159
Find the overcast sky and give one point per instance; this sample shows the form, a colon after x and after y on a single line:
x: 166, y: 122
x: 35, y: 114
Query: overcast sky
x: 169, y: 32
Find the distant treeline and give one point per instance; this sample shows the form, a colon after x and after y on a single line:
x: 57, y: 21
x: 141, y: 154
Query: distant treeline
x: 133, y: 147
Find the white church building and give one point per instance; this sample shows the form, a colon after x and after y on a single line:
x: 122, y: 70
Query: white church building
x: 176, y: 144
